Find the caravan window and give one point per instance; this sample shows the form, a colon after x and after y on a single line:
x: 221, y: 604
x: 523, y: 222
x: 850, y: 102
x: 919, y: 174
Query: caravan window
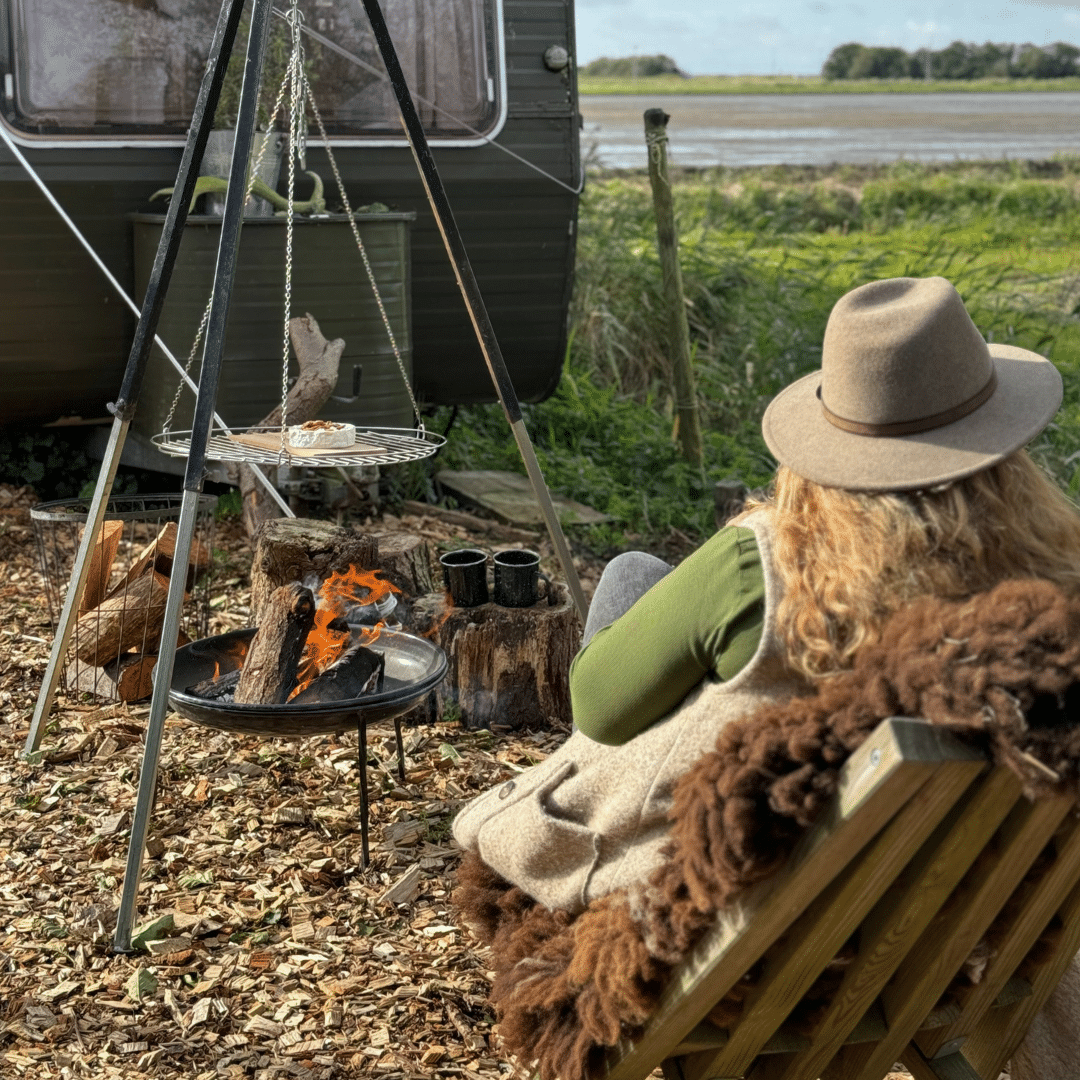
x: 134, y: 66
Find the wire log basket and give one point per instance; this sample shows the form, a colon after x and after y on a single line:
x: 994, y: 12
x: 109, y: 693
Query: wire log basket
x: 137, y: 532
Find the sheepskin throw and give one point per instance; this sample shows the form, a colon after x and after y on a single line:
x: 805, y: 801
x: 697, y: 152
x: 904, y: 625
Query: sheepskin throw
x: 1001, y: 671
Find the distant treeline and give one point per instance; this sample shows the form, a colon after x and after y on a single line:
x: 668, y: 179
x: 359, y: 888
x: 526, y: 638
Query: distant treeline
x: 633, y: 67
x: 960, y: 60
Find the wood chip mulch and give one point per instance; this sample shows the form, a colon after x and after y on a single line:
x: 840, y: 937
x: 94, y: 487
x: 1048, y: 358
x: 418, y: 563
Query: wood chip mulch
x: 265, y: 950
x: 270, y: 951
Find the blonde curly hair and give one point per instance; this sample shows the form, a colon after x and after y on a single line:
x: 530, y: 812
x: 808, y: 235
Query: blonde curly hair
x: 850, y: 559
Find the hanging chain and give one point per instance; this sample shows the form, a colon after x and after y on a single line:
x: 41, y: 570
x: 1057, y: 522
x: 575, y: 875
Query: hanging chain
x: 367, y: 264
x: 255, y: 166
x: 296, y: 148
x: 295, y: 80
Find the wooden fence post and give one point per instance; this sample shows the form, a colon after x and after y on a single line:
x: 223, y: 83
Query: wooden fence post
x: 667, y: 242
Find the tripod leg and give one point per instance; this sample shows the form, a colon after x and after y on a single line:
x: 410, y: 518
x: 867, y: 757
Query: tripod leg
x: 228, y: 248
x: 124, y: 407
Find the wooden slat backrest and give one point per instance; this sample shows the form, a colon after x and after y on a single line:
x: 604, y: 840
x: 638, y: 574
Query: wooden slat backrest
x: 901, y: 919
x: 1001, y: 1031
x: 1028, y: 923
x: 888, y: 771
x: 922, y: 888
x: 902, y: 908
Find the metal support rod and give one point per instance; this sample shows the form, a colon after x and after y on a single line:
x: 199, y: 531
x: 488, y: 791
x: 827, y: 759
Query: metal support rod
x: 76, y: 587
x: 145, y: 333
x: 470, y: 292
x: 224, y: 273
x: 361, y: 761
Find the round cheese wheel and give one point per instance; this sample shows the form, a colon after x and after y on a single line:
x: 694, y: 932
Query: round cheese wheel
x: 336, y: 437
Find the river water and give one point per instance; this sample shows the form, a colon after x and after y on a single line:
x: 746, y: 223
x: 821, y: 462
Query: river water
x: 818, y: 129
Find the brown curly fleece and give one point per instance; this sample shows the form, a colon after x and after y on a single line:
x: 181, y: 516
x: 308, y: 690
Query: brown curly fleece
x: 1001, y: 670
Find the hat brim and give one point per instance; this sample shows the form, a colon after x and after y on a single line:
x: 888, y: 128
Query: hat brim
x: 1029, y: 392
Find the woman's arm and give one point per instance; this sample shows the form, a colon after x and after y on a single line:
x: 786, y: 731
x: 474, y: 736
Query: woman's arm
x: 704, y: 618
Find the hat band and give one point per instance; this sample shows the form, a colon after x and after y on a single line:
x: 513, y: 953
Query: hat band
x: 912, y: 427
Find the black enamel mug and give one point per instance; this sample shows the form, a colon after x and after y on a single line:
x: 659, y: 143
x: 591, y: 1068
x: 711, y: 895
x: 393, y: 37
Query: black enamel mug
x: 517, y: 576
x: 465, y: 576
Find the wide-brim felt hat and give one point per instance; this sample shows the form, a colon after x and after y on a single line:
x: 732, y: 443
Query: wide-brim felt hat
x: 909, y: 394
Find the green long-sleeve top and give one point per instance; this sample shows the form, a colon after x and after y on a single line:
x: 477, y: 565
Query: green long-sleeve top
x: 703, y: 619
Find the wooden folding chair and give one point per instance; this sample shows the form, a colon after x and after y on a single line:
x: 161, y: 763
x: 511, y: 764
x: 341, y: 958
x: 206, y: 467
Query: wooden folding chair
x: 920, y: 852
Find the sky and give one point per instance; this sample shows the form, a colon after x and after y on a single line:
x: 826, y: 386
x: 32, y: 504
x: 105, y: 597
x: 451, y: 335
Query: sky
x: 765, y: 37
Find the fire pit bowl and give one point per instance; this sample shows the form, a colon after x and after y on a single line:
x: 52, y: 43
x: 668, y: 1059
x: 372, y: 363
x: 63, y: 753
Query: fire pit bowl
x: 414, y: 667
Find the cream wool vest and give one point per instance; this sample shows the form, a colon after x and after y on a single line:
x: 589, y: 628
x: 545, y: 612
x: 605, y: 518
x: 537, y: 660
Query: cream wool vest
x: 591, y: 819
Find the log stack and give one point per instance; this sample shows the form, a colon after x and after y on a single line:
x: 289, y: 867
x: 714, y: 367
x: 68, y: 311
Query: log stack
x: 117, y: 636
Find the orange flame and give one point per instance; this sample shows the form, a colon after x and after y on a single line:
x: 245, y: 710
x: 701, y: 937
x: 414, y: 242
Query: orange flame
x: 448, y: 607
x: 237, y: 653
x: 324, y: 645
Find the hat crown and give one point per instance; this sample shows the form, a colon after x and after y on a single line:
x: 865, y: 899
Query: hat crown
x: 901, y: 350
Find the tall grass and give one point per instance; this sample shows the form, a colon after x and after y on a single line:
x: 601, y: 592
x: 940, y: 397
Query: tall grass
x: 765, y: 254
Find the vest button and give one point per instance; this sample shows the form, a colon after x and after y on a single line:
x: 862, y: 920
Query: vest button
x: 506, y: 789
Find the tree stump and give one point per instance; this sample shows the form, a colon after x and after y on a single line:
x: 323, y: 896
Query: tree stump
x: 508, y: 667
x: 319, y: 360
x: 405, y: 561
x: 292, y: 549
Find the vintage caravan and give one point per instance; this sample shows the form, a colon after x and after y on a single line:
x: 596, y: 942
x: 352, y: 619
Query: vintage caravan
x: 98, y: 96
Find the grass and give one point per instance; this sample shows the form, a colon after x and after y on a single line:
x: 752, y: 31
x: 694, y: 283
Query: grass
x: 765, y: 253
x: 812, y: 84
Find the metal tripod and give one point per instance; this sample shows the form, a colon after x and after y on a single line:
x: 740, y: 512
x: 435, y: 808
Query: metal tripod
x: 123, y: 409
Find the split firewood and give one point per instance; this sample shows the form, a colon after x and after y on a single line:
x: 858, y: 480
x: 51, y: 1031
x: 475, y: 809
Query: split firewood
x: 159, y: 555
x: 269, y: 672
x: 124, y: 621
x: 357, y: 671
x: 319, y: 361
x: 101, y: 560
x: 132, y: 676
x: 127, y: 678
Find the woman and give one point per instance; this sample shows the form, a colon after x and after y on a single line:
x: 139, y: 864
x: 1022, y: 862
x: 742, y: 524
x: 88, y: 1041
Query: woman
x: 902, y: 475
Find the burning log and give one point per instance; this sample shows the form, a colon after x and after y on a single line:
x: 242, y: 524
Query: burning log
x: 101, y: 560
x: 270, y: 670
x: 218, y: 688
x: 359, y: 670
x: 127, y: 619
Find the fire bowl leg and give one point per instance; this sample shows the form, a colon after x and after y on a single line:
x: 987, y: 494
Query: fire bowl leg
x: 361, y: 730
x: 400, y: 749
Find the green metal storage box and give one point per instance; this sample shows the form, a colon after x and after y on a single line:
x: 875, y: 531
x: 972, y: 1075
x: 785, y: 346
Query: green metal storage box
x: 329, y: 282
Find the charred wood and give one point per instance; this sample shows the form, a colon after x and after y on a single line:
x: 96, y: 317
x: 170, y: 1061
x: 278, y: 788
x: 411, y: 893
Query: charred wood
x: 269, y: 672
x: 358, y: 671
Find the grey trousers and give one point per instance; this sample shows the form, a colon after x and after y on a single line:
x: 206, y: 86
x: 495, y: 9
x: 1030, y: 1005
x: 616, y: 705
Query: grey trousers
x: 624, y: 581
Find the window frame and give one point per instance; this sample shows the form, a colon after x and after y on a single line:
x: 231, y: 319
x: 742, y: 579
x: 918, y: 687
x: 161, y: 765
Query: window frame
x: 100, y: 141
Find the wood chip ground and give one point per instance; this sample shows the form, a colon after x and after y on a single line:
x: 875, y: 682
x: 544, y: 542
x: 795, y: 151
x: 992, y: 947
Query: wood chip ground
x: 270, y: 953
